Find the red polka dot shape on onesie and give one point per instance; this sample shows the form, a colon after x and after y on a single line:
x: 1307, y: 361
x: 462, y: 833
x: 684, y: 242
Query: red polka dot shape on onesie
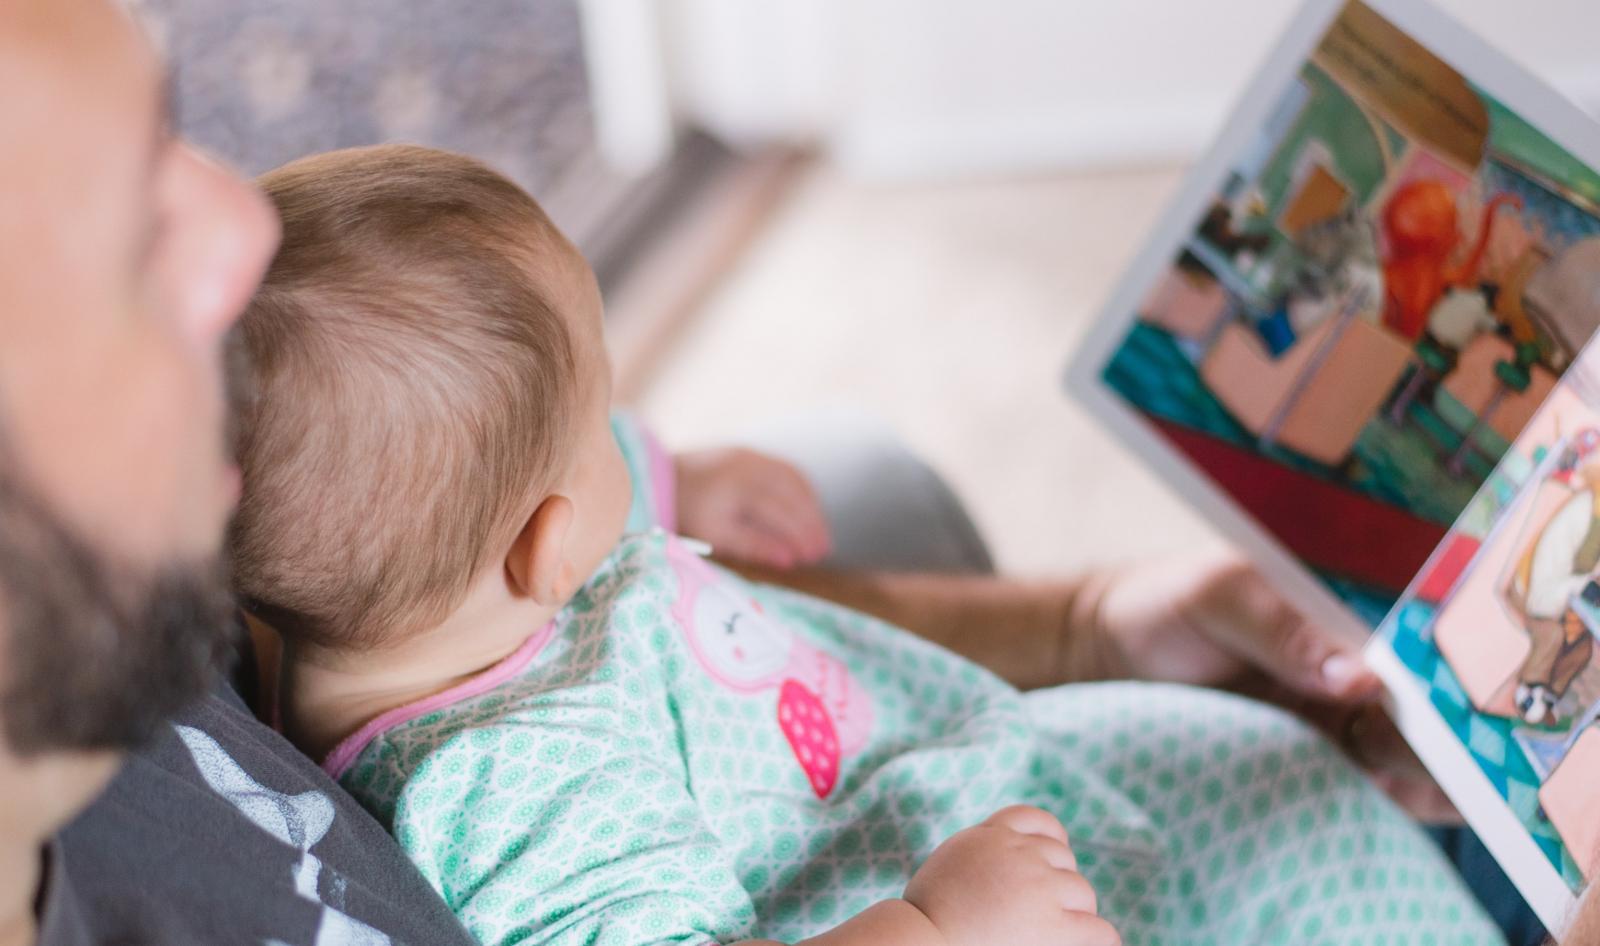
x: 809, y: 729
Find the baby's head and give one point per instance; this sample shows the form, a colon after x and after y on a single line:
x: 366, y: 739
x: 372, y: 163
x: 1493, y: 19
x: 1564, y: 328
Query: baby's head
x: 431, y: 402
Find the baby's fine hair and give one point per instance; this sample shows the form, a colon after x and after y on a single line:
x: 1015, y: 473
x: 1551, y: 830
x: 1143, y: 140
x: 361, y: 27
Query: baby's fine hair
x: 413, y: 390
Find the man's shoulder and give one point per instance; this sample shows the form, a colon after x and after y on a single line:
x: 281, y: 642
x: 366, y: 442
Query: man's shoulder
x: 221, y: 831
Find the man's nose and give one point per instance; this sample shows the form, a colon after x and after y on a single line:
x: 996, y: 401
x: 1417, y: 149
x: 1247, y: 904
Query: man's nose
x: 236, y: 232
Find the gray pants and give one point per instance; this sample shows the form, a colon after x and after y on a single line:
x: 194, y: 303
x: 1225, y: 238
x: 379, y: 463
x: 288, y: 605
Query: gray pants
x: 887, y: 509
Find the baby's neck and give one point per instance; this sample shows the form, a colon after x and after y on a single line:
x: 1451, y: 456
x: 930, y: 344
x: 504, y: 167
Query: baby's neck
x: 325, y: 695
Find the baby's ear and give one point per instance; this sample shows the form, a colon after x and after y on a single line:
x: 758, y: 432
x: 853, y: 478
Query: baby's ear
x: 537, y: 564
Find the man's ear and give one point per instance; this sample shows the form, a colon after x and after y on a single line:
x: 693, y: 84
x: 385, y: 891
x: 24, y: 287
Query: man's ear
x: 537, y: 564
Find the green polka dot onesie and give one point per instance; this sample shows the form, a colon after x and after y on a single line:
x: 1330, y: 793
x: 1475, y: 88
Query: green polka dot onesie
x: 682, y: 757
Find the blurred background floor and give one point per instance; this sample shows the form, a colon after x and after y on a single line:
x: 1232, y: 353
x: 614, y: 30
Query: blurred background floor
x: 746, y: 283
x: 948, y: 311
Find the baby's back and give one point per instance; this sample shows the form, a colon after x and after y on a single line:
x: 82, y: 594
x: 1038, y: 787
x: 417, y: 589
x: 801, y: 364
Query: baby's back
x: 682, y: 748
x: 682, y: 756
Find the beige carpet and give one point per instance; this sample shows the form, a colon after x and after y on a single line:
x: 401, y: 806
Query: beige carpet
x: 948, y: 310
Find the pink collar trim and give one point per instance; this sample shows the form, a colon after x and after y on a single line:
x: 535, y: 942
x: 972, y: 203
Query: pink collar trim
x: 339, y: 760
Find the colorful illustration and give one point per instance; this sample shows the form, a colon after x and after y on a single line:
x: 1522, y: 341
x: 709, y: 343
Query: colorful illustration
x: 1553, y: 592
x: 1500, y: 627
x: 1386, y: 288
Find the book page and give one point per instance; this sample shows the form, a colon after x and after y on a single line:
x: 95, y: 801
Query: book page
x: 1496, y: 638
x: 1359, y: 342
x: 1386, y: 283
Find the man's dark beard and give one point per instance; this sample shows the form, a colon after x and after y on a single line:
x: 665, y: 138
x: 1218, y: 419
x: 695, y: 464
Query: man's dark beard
x: 95, y: 653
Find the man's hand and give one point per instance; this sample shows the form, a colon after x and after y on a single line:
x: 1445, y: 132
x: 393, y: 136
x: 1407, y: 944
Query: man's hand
x: 1212, y: 621
x: 751, y: 507
x: 1217, y: 622
x: 1012, y: 879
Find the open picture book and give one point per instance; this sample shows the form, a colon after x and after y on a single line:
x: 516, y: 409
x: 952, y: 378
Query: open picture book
x: 1360, y: 342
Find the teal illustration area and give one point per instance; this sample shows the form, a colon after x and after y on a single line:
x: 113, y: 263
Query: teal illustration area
x: 1400, y: 464
x: 1365, y: 526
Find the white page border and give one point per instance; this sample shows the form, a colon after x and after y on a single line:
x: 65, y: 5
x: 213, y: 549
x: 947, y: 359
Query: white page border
x: 1548, y: 112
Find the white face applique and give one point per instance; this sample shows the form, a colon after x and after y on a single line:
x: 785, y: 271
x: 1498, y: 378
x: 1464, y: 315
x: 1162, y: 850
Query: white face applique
x: 738, y: 643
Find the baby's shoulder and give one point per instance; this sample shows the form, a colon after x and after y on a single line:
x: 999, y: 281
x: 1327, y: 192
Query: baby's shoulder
x: 564, y: 716
x: 516, y: 759
x: 593, y: 683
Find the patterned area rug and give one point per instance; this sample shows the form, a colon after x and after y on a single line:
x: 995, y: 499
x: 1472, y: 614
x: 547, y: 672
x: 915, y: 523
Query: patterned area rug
x: 261, y: 82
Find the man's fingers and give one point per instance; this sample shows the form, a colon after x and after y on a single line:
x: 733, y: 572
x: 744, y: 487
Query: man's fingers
x: 1344, y: 676
x: 749, y: 543
x: 1420, y: 797
x: 1394, y: 767
x: 1308, y: 659
x: 1303, y: 656
x: 1242, y: 612
x: 792, y: 525
x: 1378, y: 744
x: 791, y: 491
x: 804, y: 516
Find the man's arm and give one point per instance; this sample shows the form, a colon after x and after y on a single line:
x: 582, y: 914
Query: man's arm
x: 1031, y: 633
x: 1203, y: 622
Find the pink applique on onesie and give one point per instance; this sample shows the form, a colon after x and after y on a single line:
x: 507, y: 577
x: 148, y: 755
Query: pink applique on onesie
x: 823, y: 713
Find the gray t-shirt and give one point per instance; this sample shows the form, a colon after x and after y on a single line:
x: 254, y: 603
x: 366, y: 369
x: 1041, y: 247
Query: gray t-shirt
x: 220, y: 831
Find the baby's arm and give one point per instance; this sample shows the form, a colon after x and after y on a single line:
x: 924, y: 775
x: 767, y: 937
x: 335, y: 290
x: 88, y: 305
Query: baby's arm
x: 577, y: 834
x: 889, y: 923
x: 1032, y: 633
x: 1012, y: 879
x: 1206, y: 620
x: 569, y: 834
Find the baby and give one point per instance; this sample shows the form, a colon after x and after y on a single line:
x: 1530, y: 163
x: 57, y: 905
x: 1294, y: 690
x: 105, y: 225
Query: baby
x: 583, y: 732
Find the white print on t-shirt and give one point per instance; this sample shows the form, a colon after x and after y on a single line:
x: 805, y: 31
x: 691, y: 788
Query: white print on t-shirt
x: 297, y: 820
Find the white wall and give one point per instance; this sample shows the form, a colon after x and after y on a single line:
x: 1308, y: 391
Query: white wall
x: 624, y: 52
x: 940, y: 87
